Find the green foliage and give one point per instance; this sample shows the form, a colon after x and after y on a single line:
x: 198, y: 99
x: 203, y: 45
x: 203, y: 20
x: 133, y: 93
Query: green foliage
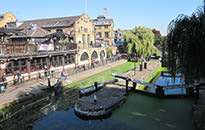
x: 186, y: 46
x: 62, y: 40
x: 140, y: 42
x: 109, y: 52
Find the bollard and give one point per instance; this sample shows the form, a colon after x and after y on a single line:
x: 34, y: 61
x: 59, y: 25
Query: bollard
x: 145, y: 65
x: 127, y: 82
x: 96, y: 85
x: 140, y: 67
x: 49, y: 84
x: 134, y: 86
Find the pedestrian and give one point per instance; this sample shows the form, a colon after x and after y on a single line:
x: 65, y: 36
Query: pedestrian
x: 63, y: 75
x: 52, y: 70
x: 45, y: 70
x: 19, y: 76
x: 4, y: 80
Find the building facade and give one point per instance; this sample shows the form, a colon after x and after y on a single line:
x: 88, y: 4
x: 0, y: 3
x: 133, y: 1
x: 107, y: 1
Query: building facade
x: 5, y: 18
x: 79, y: 28
x: 104, y: 33
x: 118, y: 35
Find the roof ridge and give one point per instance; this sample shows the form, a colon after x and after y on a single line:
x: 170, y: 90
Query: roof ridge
x: 51, y: 18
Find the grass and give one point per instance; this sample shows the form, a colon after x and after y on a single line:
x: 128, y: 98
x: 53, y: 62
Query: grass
x: 155, y: 74
x: 103, y: 76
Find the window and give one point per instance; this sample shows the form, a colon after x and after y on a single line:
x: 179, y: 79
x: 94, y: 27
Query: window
x: 106, y: 26
x: 84, y: 56
x: 99, y: 34
x: 59, y: 30
x: 106, y: 34
x: 83, y: 40
x: 99, y: 27
x: 94, y: 55
x: 88, y: 39
x: 1, y: 18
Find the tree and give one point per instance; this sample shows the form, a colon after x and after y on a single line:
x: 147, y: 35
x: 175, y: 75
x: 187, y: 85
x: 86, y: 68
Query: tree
x: 140, y: 42
x: 186, y: 46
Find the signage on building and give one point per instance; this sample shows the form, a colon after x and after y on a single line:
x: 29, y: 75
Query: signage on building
x: 45, y: 47
x: 86, y: 20
x: 85, y: 29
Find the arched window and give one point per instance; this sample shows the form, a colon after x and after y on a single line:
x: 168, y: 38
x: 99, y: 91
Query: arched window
x: 102, y: 53
x: 84, y: 56
x: 94, y: 55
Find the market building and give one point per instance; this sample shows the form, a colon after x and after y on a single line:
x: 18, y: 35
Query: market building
x: 79, y: 28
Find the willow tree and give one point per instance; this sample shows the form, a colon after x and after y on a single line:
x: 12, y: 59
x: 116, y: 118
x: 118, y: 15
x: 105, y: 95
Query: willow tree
x: 186, y: 46
x: 140, y: 42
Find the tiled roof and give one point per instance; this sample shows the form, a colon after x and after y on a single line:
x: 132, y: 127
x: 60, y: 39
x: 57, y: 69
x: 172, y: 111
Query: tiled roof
x: 50, y: 22
x: 37, y: 32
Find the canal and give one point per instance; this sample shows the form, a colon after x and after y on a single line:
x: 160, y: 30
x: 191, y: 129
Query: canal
x: 139, y: 112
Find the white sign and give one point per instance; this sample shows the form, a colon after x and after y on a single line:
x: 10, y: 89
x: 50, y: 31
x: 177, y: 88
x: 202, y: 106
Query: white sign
x: 45, y: 47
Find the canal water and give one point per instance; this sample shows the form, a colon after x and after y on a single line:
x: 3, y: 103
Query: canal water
x: 140, y: 112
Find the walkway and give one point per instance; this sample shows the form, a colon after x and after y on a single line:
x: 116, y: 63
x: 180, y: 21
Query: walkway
x: 36, y: 86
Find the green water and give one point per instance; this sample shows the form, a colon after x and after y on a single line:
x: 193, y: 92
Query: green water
x: 140, y: 112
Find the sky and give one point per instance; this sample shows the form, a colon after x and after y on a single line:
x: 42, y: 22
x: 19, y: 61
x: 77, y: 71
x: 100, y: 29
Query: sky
x: 126, y: 13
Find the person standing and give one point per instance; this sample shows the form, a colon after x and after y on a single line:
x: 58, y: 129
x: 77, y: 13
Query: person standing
x: 45, y: 69
x: 19, y: 76
x: 4, y: 80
